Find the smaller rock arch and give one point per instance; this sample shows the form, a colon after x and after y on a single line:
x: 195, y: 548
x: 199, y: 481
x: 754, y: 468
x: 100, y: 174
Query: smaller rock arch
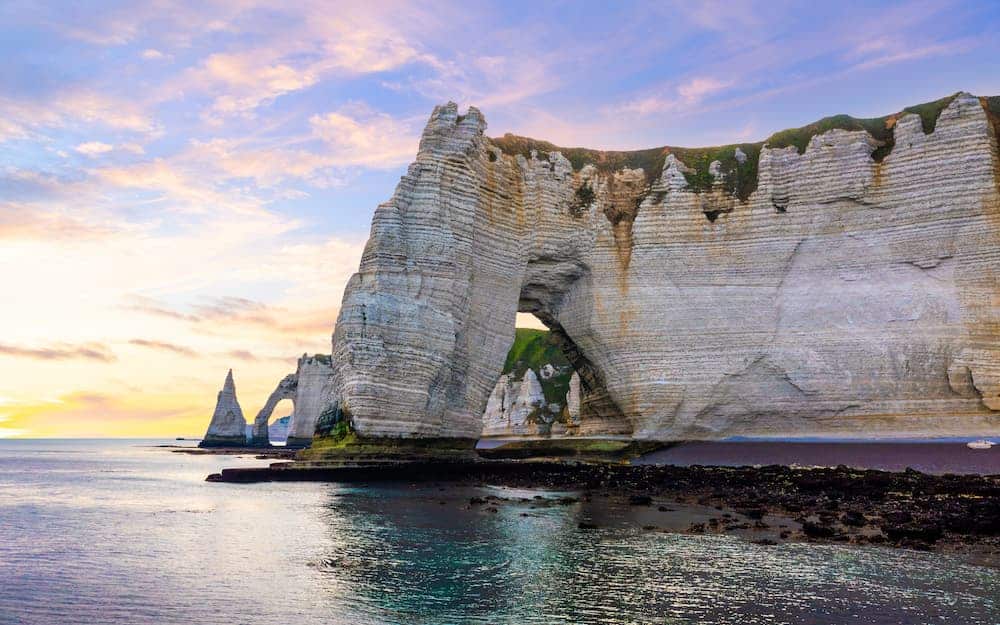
x: 286, y: 389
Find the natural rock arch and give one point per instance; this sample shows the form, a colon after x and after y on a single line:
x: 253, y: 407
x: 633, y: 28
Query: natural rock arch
x: 309, y: 390
x: 835, y: 293
x: 286, y: 389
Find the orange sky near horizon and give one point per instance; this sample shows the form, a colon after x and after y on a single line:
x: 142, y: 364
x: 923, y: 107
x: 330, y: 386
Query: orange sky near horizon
x: 186, y: 187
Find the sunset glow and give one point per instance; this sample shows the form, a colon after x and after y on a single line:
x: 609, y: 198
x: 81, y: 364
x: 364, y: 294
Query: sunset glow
x: 187, y: 187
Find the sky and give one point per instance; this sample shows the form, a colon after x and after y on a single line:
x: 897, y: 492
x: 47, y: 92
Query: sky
x: 185, y: 187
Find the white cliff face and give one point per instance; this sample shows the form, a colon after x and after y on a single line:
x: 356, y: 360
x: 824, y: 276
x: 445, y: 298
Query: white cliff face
x: 526, y: 415
x: 311, y: 397
x: 228, y: 426
x: 286, y: 389
x: 518, y: 408
x: 496, y: 417
x: 573, y: 402
x: 309, y: 390
x: 844, y: 296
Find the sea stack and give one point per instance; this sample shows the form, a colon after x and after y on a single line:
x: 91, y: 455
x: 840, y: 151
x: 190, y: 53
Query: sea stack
x: 228, y: 426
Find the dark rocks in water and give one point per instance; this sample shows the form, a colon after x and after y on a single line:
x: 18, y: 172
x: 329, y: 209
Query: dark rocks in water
x: 946, y: 512
x: 853, y: 519
x: 897, y: 517
x: 753, y: 513
x: 586, y: 525
x: 815, y: 530
x: 919, y: 532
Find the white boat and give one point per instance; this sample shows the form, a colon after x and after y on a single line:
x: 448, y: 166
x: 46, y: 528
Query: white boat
x: 980, y: 444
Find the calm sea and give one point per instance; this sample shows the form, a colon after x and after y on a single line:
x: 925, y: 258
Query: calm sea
x: 120, y: 532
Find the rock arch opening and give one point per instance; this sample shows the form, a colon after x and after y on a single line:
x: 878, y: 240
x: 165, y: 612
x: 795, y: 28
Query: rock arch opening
x: 284, y: 391
x: 281, y: 422
x: 531, y: 397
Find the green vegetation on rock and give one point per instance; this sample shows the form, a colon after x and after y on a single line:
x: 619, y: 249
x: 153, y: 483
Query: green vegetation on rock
x: 354, y: 448
x: 583, y: 198
x: 581, y: 449
x: 533, y: 349
x: 334, y: 423
x: 738, y: 179
x: 881, y: 128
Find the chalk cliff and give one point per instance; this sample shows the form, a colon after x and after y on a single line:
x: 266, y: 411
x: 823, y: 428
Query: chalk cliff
x: 309, y: 390
x: 843, y: 278
x: 314, y: 375
x: 516, y: 408
x: 228, y: 426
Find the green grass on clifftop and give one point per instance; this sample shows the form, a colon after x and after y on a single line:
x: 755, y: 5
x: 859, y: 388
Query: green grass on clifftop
x: 740, y: 178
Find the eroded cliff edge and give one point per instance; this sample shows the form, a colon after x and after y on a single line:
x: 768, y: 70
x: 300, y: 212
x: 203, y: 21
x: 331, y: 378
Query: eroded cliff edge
x: 851, y: 287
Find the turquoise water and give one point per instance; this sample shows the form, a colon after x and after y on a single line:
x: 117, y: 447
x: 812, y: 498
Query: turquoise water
x: 116, y: 532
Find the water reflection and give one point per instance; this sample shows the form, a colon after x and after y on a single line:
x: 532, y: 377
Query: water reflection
x: 113, y: 533
x: 416, y: 555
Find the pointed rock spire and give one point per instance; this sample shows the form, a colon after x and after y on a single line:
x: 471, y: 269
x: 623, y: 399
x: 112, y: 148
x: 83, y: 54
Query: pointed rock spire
x: 228, y: 426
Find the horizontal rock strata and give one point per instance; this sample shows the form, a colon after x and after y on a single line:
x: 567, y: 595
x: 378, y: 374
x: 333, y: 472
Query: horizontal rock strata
x: 314, y: 386
x: 841, y: 288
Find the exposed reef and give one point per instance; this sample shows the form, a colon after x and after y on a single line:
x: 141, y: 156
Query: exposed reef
x: 842, y: 278
x: 907, y: 509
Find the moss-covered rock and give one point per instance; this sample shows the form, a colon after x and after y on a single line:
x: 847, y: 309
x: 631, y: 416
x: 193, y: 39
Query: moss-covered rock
x: 586, y: 449
x: 352, y: 448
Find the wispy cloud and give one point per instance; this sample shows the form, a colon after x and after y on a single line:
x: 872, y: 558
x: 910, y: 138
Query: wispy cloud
x: 88, y: 351
x: 165, y: 346
x: 198, y: 177
x: 152, y: 54
x: 241, y: 354
x: 150, y: 306
x: 94, y: 148
x: 357, y: 135
x: 684, y: 97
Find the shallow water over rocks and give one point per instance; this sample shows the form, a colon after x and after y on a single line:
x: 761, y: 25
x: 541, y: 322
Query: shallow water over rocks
x: 114, y: 532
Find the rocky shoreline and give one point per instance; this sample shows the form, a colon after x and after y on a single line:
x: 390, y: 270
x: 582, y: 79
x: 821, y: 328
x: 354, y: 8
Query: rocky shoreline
x: 261, y: 453
x: 947, y: 513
